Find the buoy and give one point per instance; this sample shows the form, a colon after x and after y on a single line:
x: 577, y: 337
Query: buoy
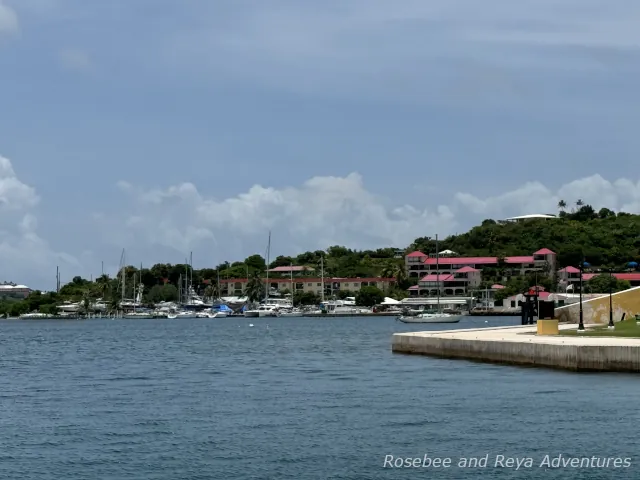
x: 251, y: 324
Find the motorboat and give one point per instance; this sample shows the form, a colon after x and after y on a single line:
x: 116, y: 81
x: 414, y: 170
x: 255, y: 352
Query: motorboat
x: 291, y: 312
x: 430, y: 318
x: 36, y: 316
x: 182, y: 314
x: 263, y: 311
x: 69, y: 307
x: 138, y: 315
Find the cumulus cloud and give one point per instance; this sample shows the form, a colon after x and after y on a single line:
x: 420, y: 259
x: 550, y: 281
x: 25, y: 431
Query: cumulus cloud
x: 326, y: 211
x: 25, y: 256
x: 8, y: 19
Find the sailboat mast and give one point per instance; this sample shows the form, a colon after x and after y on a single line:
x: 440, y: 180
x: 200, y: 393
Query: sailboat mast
x: 322, y: 275
x: 438, y: 271
x: 124, y: 277
x: 134, y: 291
x: 266, y: 289
x: 291, y: 272
x: 218, y: 279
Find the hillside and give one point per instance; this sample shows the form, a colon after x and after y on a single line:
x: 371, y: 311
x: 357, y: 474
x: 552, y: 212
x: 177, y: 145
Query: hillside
x: 602, y: 238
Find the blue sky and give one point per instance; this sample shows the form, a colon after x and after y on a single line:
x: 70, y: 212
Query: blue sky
x: 165, y: 127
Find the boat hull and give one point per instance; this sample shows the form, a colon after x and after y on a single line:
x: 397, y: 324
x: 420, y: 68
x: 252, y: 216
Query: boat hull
x: 434, y: 319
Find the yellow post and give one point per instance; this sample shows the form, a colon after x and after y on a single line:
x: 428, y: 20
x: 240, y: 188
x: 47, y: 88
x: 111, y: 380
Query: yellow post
x: 548, y: 327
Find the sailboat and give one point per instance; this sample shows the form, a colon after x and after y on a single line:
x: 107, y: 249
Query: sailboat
x: 291, y: 311
x: 266, y: 309
x: 439, y: 316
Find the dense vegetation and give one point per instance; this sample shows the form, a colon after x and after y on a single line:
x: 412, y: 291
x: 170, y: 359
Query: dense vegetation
x: 602, y: 238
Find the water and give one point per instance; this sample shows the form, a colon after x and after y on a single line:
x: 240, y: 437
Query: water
x: 296, y: 398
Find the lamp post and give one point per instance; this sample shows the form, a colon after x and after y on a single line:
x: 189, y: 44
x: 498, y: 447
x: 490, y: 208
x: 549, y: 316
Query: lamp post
x: 611, y: 325
x: 583, y: 265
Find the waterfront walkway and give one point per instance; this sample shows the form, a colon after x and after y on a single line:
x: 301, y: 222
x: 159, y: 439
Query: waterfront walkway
x: 520, y: 345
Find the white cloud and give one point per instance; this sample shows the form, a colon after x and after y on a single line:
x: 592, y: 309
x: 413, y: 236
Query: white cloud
x: 25, y: 257
x: 333, y: 210
x: 423, y: 50
x: 8, y: 19
x: 75, y: 59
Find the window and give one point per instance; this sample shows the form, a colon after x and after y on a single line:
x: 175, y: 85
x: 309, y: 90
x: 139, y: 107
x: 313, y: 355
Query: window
x: 318, y: 285
x: 299, y: 286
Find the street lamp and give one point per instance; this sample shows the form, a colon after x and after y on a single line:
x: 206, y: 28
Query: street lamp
x: 583, y: 265
x: 611, y: 325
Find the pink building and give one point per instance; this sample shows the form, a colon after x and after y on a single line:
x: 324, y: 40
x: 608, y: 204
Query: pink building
x: 569, y: 278
x: 460, y: 282
x: 543, y: 260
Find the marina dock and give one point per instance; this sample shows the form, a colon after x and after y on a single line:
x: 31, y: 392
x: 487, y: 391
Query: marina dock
x: 521, y: 346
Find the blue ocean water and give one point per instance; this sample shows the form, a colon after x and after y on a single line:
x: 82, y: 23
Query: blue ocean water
x: 296, y: 398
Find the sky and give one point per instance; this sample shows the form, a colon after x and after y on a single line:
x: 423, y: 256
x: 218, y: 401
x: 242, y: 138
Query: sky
x: 165, y: 127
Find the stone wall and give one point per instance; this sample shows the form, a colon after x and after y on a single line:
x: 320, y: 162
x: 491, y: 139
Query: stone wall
x: 596, y: 310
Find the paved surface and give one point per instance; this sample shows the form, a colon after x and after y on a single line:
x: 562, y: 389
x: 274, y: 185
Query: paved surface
x: 526, y: 334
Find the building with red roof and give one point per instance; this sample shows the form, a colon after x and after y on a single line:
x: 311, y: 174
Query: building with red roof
x: 459, y: 283
x: 237, y: 286
x: 569, y: 278
x: 543, y: 260
x: 456, y: 275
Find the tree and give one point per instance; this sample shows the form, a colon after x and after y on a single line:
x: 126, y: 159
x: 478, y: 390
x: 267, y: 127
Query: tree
x: 601, y: 284
x: 255, y: 287
x: 369, y: 296
x: 255, y: 262
x: 162, y: 293
x: 562, y: 205
x: 606, y: 213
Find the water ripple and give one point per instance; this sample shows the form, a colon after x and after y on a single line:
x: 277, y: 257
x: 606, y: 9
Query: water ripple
x: 304, y: 399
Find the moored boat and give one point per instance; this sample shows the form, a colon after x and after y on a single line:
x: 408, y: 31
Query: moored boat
x: 430, y: 318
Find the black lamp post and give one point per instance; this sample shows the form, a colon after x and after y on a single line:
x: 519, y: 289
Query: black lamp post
x: 583, y: 265
x: 611, y: 325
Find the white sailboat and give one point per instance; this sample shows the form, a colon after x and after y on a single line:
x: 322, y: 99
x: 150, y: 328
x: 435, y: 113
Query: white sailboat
x: 439, y: 316
x: 266, y: 309
x: 290, y: 310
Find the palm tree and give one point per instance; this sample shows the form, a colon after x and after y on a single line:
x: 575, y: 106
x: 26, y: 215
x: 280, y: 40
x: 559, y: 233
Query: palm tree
x: 562, y: 205
x: 211, y: 292
x: 86, y: 302
x: 255, y: 287
x: 579, y: 203
x: 394, y: 269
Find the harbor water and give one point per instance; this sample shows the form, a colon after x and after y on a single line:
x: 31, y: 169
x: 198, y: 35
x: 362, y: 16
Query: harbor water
x: 290, y: 398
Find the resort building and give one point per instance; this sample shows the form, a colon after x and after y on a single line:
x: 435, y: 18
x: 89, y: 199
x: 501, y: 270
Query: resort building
x: 458, y: 283
x: 11, y: 290
x: 569, y: 278
x: 294, y: 270
x: 237, y: 286
x: 418, y: 264
x: 533, y: 216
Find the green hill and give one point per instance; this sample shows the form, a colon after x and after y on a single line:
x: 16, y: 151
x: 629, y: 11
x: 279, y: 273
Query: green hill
x: 602, y: 238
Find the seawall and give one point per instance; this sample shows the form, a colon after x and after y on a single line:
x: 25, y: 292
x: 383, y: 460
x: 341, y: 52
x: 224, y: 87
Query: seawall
x: 596, y: 310
x: 520, y: 346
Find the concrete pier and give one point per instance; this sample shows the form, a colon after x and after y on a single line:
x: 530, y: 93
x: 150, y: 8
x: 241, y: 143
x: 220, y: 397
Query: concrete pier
x: 521, y: 346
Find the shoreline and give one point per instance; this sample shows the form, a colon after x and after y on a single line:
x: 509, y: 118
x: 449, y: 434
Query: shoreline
x: 521, y: 346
